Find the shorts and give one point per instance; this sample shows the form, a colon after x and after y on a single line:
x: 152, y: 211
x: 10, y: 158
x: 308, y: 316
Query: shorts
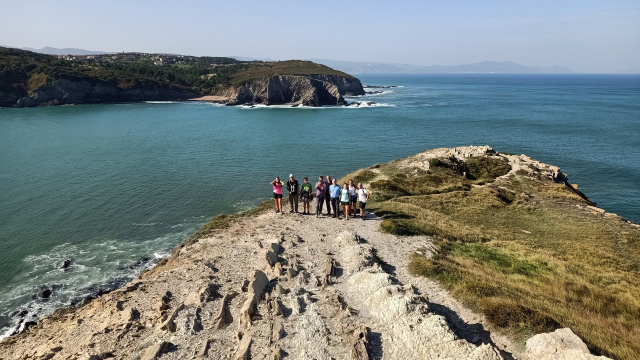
x: 354, y: 198
x: 305, y: 197
x: 345, y: 202
x: 362, y: 204
x: 277, y: 196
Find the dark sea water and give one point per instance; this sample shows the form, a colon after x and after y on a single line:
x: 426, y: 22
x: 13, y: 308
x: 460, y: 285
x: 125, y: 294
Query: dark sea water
x: 112, y: 188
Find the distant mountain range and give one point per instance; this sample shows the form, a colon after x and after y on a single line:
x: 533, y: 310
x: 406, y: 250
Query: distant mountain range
x: 66, y: 51
x: 503, y: 67
x: 357, y: 67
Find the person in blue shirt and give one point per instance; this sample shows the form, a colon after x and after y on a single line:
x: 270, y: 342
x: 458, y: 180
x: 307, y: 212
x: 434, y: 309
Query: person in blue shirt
x: 334, y: 192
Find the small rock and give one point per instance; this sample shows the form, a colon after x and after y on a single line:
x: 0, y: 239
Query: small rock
x: 279, y: 290
x: 204, y: 349
x: 271, y: 257
x: 221, y: 319
x: 67, y: 264
x: 169, y: 324
x: 277, y: 269
x: 155, y: 351
x: 276, y: 354
x: 561, y: 344
x: 243, y: 348
x: 359, y: 341
x: 277, y: 330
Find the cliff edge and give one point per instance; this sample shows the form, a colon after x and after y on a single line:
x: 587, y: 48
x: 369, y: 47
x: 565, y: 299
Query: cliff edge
x: 263, y: 285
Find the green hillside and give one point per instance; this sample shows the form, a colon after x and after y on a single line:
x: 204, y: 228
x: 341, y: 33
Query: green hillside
x: 22, y: 73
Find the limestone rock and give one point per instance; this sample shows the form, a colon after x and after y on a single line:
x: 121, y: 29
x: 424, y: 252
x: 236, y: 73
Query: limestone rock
x: 359, y: 342
x: 169, y: 324
x: 257, y: 283
x: 206, y: 293
x: 155, y: 351
x: 243, y: 347
x: 271, y: 257
x: 223, y: 314
x: 204, y: 349
x: 561, y: 344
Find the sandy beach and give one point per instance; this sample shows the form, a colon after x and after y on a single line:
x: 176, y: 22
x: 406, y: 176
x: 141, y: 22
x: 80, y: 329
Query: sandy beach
x: 211, y: 98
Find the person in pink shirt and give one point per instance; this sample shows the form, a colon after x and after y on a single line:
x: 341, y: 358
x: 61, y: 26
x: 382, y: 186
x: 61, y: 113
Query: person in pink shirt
x: 277, y: 193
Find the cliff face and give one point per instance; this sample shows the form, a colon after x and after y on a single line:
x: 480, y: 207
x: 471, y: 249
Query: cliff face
x: 64, y: 91
x: 308, y: 90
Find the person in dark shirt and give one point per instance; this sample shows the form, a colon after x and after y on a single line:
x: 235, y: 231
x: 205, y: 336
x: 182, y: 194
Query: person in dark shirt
x: 327, y: 196
x: 294, y: 189
x: 320, y: 194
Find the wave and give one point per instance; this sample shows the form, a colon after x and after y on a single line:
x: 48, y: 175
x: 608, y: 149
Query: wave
x: 368, y: 104
x: 350, y: 105
x: 382, y: 86
x: 71, y: 273
x: 162, y: 102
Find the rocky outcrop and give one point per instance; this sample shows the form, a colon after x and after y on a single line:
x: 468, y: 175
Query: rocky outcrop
x: 307, y: 90
x: 326, y: 290
x: 561, y: 344
x: 64, y: 91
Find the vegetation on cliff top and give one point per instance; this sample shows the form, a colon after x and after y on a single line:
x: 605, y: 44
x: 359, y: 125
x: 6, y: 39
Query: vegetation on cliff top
x: 525, y: 251
x: 24, y: 72
x: 290, y: 67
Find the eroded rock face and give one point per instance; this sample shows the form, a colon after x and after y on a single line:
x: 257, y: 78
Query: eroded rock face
x: 64, y: 91
x: 307, y: 90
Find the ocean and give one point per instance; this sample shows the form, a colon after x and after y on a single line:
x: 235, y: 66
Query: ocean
x: 90, y: 195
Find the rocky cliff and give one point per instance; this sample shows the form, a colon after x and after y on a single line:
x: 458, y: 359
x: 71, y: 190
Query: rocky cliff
x: 30, y: 79
x: 308, y: 90
x: 64, y: 91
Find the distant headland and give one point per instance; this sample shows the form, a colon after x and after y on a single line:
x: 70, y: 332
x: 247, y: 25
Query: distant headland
x: 30, y: 79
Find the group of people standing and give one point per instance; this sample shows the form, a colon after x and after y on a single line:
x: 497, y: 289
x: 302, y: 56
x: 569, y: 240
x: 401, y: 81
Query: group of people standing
x: 351, y: 197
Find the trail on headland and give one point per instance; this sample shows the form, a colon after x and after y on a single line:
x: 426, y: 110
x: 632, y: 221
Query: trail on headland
x: 263, y: 285
x: 318, y: 284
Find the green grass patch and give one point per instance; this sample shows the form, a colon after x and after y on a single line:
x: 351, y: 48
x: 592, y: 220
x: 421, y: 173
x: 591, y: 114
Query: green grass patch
x: 364, y: 176
x: 500, y: 260
x: 522, y: 250
x: 485, y: 169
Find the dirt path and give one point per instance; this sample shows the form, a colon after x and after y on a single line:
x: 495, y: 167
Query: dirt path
x: 318, y: 288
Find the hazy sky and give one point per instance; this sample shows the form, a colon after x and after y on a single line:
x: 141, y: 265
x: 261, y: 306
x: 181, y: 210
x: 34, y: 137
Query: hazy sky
x: 584, y: 35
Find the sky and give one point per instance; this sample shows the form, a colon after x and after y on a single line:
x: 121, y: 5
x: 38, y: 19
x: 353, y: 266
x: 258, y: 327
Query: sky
x: 586, y: 36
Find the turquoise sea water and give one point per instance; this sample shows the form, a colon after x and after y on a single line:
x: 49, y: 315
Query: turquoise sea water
x: 112, y: 188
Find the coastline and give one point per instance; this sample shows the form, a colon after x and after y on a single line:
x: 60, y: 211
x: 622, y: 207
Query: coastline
x: 212, y: 98
x: 193, y: 302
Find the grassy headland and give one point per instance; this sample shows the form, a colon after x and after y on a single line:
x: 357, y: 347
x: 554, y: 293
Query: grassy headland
x: 528, y: 252
x: 23, y: 73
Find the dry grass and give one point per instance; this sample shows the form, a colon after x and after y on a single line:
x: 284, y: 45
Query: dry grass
x: 524, y: 251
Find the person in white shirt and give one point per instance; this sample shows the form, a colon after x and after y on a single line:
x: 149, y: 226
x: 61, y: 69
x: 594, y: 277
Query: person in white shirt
x: 353, y: 197
x: 363, y: 196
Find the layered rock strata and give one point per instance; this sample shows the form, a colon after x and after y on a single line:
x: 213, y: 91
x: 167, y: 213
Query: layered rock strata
x: 307, y: 90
